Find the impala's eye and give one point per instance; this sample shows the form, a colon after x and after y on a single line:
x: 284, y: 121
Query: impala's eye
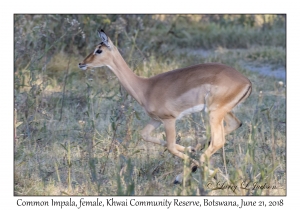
x: 98, y: 51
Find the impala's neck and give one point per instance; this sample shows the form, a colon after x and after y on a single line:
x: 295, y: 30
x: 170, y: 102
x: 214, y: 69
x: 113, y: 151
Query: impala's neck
x: 134, y: 84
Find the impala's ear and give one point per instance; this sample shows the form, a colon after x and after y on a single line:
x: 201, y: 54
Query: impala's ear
x: 104, y: 38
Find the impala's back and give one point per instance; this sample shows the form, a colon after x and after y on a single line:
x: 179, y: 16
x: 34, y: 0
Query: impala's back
x: 208, y: 85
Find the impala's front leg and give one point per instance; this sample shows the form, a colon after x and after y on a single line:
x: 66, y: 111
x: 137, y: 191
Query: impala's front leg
x: 150, y: 127
x: 174, y: 148
x: 146, y: 133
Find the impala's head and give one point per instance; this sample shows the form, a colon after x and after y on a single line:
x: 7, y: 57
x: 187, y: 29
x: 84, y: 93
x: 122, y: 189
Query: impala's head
x: 101, y: 55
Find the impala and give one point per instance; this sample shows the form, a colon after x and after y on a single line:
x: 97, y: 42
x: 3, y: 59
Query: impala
x: 169, y: 96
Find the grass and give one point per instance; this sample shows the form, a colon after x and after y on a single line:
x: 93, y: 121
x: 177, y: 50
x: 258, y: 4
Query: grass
x: 77, y: 133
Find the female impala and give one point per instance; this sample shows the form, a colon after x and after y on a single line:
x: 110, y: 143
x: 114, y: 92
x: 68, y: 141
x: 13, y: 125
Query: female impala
x: 171, y: 95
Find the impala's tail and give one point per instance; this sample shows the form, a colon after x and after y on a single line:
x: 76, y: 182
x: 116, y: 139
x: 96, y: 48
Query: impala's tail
x: 246, y: 95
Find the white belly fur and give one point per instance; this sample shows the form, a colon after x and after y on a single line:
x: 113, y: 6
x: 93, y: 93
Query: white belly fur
x: 193, y: 109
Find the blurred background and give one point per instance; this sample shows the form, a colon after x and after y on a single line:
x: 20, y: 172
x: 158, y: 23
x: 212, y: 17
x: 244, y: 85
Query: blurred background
x: 77, y: 132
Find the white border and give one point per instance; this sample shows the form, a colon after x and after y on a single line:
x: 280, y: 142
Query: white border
x: 153, y: 6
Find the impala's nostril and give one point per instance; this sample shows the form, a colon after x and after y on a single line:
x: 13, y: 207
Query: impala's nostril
x: 82, y: 66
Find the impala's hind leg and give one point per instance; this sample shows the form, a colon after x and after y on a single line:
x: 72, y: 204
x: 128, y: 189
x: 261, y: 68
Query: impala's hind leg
x: 232, y: 123
x: 217, y: 134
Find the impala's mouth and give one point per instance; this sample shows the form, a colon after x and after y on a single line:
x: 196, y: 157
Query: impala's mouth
x: 82, y: 66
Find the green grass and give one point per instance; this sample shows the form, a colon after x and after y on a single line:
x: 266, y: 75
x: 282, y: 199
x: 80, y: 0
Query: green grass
x: 78, y: 132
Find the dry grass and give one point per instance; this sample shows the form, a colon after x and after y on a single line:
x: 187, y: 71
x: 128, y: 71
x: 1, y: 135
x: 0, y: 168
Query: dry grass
x: 77, y: 133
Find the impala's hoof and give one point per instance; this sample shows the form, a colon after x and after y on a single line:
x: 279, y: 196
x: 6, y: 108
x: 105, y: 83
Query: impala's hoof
x: 177, y: 182
x: 178, y: 179
x: 191, y: 149
x: 194, y: 168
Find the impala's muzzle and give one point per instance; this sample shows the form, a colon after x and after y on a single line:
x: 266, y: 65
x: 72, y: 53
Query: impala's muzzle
x: 82, y: 66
